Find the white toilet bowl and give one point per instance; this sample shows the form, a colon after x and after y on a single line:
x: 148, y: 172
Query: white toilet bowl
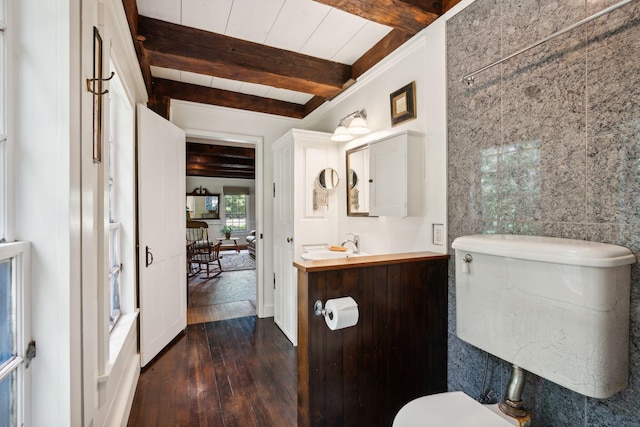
x: 452, y: 409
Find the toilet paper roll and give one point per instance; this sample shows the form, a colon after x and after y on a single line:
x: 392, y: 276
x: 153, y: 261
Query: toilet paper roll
x: 341, y: 313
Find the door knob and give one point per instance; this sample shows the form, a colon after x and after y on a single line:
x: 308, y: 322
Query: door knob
x: 289, y: 239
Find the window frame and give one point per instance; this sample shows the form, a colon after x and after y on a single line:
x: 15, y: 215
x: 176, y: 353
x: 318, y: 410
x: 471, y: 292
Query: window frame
x: 115, y: 270
x: 5, y: 150
x: 231, y: 219
x: 19, y: 255
x: 114, y: 232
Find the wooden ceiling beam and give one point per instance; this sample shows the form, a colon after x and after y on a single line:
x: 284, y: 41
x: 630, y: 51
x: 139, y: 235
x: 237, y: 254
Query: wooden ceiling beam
x: 379, y: 51
x: 225, y: 98
x: 227, y: 162
x: 183, y: 48
x: 426, y: 5
x: 448, y: 4
x: 131, y: 11
x: 218, y: 173
x: 398, y: 14
x: 221, y: 150
x: 313, y: 103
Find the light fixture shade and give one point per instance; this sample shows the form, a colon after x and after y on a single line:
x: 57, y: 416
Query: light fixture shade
x: 358, y: 126
x: 341, y: 134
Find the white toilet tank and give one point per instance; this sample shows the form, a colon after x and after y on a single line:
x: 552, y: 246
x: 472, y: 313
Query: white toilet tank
x: 558, y: 308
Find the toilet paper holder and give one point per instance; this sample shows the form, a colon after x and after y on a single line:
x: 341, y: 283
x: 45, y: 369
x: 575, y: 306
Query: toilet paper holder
x: 338, y: 313
x: 319, y: 310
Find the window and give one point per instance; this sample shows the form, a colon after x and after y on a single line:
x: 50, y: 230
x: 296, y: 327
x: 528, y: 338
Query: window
x: 235, y: 207
x: 13, y: 333
x: 236, y: 200
x: 114, y: 249
x: 114, y: 273
x: 14, y: 263
x: 7, y: 339
x: 511, y: 187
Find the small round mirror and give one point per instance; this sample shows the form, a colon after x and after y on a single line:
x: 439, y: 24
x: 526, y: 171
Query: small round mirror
x: 328, y: 178
x: 353, y: 179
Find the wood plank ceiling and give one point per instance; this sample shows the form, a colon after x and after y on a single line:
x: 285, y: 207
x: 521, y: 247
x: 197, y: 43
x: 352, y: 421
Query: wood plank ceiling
x: 281, y: 57
x: 220, y: 161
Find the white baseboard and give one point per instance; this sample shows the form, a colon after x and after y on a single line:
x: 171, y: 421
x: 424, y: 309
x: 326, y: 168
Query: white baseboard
x: 126, y: 398
x: 267, y: 311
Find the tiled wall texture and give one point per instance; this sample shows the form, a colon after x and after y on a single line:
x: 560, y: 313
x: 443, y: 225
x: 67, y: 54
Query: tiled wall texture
x: 548, y: 143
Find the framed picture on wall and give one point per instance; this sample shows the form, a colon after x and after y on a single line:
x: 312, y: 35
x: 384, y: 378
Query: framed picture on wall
x: 403, y: 104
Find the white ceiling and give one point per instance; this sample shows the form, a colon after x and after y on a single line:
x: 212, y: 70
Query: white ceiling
x: 301, y: 26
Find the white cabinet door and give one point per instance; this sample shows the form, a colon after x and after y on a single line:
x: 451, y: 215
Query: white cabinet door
x: 388, y: 184
x: 162, y: 253
x: 396, y: 185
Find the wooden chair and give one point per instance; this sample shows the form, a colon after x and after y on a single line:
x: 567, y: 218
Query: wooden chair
x: 202, y: 251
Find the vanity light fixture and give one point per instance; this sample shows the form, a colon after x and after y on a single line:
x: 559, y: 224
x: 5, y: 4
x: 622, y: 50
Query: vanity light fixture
x: 357, y: 126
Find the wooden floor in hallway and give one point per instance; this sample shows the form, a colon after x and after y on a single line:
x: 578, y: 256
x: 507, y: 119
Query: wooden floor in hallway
x: 226, y: 296
x: 237, y: 372
x: 228, y: 368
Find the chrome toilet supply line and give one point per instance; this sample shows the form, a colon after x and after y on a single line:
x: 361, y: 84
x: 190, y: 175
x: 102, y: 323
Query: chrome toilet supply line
x: 512, y: 404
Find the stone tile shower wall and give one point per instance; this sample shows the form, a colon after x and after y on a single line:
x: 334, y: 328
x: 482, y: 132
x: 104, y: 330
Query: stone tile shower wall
x: 548, y: 143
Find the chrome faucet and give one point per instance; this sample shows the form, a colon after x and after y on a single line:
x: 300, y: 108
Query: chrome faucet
x: 355, y: 241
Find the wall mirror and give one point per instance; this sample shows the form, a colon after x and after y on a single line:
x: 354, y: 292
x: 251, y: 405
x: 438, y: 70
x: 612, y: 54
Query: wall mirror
x: 203, y: 205
x: 328, y: 178
x: 358, y: 181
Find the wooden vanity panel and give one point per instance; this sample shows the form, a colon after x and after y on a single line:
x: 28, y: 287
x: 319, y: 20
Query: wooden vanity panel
x: 303, y: 346
x: 362, y: 376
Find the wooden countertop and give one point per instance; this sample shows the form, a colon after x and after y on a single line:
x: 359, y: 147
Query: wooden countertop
x: 365, y: 261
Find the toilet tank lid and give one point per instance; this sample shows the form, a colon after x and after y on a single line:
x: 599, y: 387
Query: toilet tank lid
x: 547, y: 249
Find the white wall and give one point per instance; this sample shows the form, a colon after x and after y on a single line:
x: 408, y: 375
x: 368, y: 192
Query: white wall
x: 422, y: 59
x: 46, y: 132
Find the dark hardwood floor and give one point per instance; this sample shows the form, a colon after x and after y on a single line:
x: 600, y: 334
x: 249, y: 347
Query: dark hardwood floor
x: 238, y: 372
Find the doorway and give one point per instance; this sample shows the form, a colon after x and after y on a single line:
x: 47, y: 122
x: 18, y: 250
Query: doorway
x: 239, y: 290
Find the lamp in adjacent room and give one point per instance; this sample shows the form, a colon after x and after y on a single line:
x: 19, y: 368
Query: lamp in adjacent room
x: 357, y: 126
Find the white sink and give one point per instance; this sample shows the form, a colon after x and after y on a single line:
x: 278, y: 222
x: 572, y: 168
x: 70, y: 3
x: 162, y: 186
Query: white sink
x: 319, y: 255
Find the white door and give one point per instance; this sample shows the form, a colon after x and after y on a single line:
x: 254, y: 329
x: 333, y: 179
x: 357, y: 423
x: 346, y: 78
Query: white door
x: 285, y: 290
x: 161, y: 224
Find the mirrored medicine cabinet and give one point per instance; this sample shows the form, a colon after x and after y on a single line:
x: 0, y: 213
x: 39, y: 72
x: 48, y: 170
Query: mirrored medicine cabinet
x: 386, y: 177
x: 358, y: 181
